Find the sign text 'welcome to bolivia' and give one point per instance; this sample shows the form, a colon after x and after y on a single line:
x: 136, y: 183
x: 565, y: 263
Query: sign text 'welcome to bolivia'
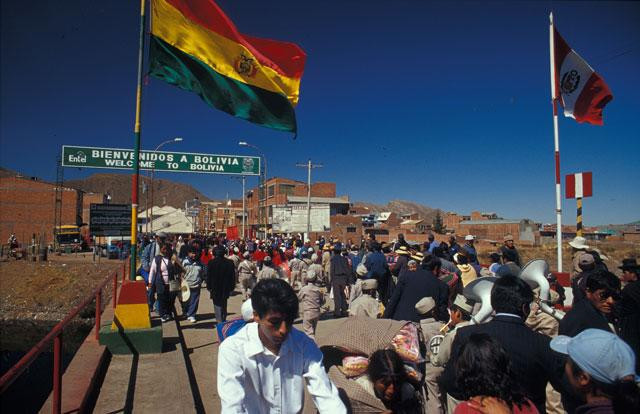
x: 93, y: 157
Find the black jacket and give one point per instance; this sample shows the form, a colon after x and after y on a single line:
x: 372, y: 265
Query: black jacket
x: 339, y: 267
x: 533, y: 362
x: 221, y: 276
x: 582, y: 316
x: 411, y: 287
x: 630, y: 318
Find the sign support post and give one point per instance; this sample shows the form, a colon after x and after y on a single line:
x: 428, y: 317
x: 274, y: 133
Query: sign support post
x: 579, y: 217
x: 578, y: 186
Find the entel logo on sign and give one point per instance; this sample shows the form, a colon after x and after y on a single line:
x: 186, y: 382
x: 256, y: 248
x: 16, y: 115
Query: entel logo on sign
x: 79, y: 157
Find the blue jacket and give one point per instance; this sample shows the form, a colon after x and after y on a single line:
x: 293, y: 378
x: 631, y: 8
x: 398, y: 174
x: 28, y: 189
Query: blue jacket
x: 376, y: 265
x: 149, y: 252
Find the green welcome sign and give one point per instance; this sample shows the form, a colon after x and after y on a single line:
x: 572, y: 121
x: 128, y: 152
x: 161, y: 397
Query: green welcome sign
x: 117, y: 158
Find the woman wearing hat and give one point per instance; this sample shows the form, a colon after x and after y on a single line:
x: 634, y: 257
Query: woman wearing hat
x: 601, y: 369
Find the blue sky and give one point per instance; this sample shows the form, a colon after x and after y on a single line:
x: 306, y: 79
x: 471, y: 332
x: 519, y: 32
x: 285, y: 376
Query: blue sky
x: 441, y: 103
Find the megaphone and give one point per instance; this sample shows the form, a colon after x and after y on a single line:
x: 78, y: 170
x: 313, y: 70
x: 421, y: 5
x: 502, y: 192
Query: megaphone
x: 479, y: 290
x: 535, y: 274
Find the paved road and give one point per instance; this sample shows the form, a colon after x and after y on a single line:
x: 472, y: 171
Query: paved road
x: 183, y: 378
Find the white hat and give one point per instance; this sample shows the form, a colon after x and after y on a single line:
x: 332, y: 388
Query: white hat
x: 424, y: 305
x: 247, y: 310
x: 469, y: 237
x: 579, y: 243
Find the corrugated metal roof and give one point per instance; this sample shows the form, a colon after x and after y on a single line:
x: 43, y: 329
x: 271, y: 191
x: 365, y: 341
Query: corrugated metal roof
x: 326, y: 200
x: 481, y: 222
x: 411, y: 222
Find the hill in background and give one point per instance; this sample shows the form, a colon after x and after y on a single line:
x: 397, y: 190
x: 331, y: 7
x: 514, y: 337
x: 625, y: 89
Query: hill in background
x: 165, y: 192
x: 402, y: 207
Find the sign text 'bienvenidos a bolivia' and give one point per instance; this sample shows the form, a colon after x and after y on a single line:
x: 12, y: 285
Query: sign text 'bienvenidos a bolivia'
x: 116, y: 158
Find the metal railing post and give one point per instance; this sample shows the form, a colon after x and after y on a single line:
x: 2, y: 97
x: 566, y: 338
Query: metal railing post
x: 56, y: 407
x: 98, y: 312
x: 115, y: 289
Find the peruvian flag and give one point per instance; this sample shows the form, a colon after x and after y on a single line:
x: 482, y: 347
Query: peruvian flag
x: 582, y: 92
x: 579, y: 185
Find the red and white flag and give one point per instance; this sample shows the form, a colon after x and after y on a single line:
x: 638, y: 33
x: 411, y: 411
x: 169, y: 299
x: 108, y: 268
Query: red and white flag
x: 579, y: 185
x: 582, y: 92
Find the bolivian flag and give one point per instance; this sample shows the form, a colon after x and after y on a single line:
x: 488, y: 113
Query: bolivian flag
x: 196, y: 47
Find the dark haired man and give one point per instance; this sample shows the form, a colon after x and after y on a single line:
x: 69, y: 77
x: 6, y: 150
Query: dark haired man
x: 630, y: 306
x: 508, y: 249
x: 601, y: 295
x: 533, y: 362
x: 340, y: 274
x: 264, y: 366
x: 221, y: 276
x: 413, y: 286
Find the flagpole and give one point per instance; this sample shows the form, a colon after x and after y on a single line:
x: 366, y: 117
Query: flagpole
x: 136, y: 151
x: 556, y: 141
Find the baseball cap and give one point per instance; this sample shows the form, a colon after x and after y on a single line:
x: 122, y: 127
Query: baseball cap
x: 586, y: 259
x: 601, y: 354
x: 469, y: 237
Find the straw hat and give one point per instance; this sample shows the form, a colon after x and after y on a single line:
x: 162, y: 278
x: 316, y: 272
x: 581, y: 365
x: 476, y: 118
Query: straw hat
x: 402, y: 250
x: 418, y: 257
x: 579, y: 243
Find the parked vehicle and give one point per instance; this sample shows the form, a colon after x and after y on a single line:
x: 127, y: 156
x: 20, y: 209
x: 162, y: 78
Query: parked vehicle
x: 68, y: 239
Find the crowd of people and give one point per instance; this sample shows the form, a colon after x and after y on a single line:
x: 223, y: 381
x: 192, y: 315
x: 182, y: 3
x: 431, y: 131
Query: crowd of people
x: 522, y: 360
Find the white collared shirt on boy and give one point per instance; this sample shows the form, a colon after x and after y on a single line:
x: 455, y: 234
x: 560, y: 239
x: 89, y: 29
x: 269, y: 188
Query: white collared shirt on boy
x: 251, y: 379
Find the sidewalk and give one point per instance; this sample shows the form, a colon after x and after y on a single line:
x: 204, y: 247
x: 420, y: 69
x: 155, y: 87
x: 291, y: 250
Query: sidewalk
x: 183, y: 378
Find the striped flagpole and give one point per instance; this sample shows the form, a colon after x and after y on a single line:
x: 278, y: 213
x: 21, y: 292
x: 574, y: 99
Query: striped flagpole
x: 136, y: 151
x: 556, y: 141
x: 579, y: 217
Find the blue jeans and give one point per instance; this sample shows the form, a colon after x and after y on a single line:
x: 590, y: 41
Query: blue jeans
x: 194, y: 300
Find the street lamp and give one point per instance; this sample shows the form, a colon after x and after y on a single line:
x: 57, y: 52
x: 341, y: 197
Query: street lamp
x: 244, y: 209
x: 264, y: 183
x: 176, y: 139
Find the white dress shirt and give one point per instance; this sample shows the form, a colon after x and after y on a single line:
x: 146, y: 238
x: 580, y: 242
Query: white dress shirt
x: 251, y: 379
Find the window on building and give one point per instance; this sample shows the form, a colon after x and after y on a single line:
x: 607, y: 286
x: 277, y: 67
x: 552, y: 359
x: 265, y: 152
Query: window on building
x: 351, y: 229
x: 286, y: 189
x: 271, y: 190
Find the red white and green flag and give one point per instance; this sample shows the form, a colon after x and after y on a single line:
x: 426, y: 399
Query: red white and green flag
x: 581, y: 91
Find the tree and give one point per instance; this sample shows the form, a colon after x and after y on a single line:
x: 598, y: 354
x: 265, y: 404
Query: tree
x: 438, y: 226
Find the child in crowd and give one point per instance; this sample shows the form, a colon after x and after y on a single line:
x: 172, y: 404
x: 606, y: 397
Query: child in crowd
x: 311, y: 300
x: 193, y: 272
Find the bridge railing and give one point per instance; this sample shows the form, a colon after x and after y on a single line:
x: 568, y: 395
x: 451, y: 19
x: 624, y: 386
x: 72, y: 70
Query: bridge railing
x: 56, y: 335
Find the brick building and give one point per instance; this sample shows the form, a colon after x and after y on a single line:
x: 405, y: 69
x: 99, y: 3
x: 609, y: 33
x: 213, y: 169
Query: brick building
x: 27, y: 206
x: 489, y: 226
x: 282, y: 191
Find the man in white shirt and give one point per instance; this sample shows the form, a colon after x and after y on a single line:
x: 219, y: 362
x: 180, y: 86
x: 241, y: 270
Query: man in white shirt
x: 263, y: 367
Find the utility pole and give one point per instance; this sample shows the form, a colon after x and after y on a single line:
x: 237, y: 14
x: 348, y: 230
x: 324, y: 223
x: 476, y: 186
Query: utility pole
x: 244, y: 235
x: 309, y: 166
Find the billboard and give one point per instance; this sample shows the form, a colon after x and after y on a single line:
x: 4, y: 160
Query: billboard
x: 292, y: 218
x: 110, y: 220
x: 117, y: 158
